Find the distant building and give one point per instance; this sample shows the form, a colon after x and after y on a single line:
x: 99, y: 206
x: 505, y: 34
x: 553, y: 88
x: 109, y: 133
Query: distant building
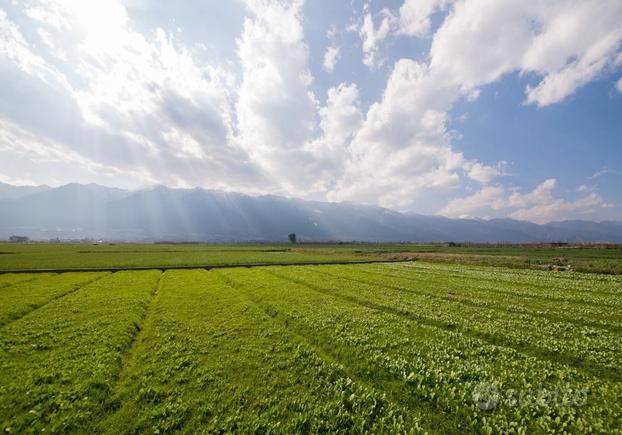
x: 18, y: 239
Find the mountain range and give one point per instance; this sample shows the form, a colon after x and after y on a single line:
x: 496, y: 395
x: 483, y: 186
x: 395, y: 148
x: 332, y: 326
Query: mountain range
x: 76, y: 211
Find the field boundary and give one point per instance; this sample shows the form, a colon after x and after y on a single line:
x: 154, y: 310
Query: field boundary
x: 197, y: 266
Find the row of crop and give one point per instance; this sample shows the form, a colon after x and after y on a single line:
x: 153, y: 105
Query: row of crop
x: 485, y: 294
x: 208, y: 361
x: 530, y: 285
x: 8, y: 279
x: 536, y: 280
x: 23, y: 297
x: 523, y: 291
x: 60, y: 362
x: 426, y: 367
x: 598, y: 350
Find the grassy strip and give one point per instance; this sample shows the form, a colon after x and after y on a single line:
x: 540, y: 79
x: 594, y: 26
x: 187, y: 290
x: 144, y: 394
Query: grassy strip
x: 208, y: 361
x: 22, y: 298
x: 60, y: 362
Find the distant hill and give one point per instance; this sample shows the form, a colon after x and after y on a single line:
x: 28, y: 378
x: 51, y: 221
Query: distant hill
x: 160, y: 213
x: 8, y: 191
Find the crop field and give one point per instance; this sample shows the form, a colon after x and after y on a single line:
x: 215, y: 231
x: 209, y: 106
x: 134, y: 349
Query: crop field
x: 409, y: 347
x: 581, y: 258
x: 67, y: 256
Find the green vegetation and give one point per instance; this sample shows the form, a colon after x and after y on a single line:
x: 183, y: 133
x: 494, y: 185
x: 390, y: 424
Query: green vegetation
x: 63, y: 256
x: 382, y: 348
x: 60, y: 361
x: 51, y: 256
x: 29, y: 294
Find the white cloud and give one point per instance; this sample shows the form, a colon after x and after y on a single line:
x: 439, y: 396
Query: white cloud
x: 16, y: 50
x: 488, y: 196
x: 619, y: 85
x: 604, y: 171
x: 558, y: 209
x: 372, y: 36
x: 276, y: 109
x: 340, y: 118
x: 174, y: 116
x: 185, y: 121
x: 403, y: 151
x: 567, y: 44
x: 540, y: 195
x: 330, y: 58
x: 583, y: 188
x: 331, y: 33
x: 414, y: 16
x: 485, y: 174
x: 18, y: 145
x: 539, y: 205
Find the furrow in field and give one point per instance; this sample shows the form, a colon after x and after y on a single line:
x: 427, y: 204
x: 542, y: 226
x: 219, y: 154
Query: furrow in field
x: 61, y: 361
x: 138, y: 330
x: 466, y: 295
x: 594, y: 352
x: 439, y: 368
x: 9, y: 279
x: 23, y: 298
x: 209, y: 361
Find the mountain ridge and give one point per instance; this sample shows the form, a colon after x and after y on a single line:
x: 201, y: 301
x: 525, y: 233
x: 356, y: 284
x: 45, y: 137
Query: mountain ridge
x: 156, y: 213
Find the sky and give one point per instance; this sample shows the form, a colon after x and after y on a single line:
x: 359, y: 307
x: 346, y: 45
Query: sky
x: 461, y: 108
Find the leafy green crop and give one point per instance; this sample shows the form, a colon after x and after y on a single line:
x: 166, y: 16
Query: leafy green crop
x: 375, y: 348
x: 60, y: 361
x: 22, y: 297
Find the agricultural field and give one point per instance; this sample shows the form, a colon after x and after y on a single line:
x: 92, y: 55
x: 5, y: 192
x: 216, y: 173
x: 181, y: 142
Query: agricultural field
x: 581, y: 258
x: 404, y: 347
x: 67, y: 256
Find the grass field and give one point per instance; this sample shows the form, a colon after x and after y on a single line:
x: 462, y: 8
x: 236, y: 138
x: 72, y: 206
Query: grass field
x: 67, y: 256
x: 385, y: 348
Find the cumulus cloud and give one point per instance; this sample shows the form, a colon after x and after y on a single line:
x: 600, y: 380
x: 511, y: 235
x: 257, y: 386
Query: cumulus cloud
x: 173, y: 117
x: 276, y: 110
x: 567, y: 44
x: 340, y: 118
x: 539, y: 205
x: 478, y: 42
x: 140, y: 103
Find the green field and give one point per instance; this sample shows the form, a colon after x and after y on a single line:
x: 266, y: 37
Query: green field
x: 385, y: 348
x: 46, y: 256
x: 67, y: 256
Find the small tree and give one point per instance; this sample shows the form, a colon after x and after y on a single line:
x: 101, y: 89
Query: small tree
x: 292, y: 237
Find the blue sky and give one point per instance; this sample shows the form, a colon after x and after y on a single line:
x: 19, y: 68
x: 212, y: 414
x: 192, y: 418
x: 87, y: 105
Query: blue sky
x: 465, y: 108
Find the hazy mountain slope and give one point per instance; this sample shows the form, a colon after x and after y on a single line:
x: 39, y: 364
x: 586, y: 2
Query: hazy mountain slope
x: 161, y: 213
x: 8, y: 191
